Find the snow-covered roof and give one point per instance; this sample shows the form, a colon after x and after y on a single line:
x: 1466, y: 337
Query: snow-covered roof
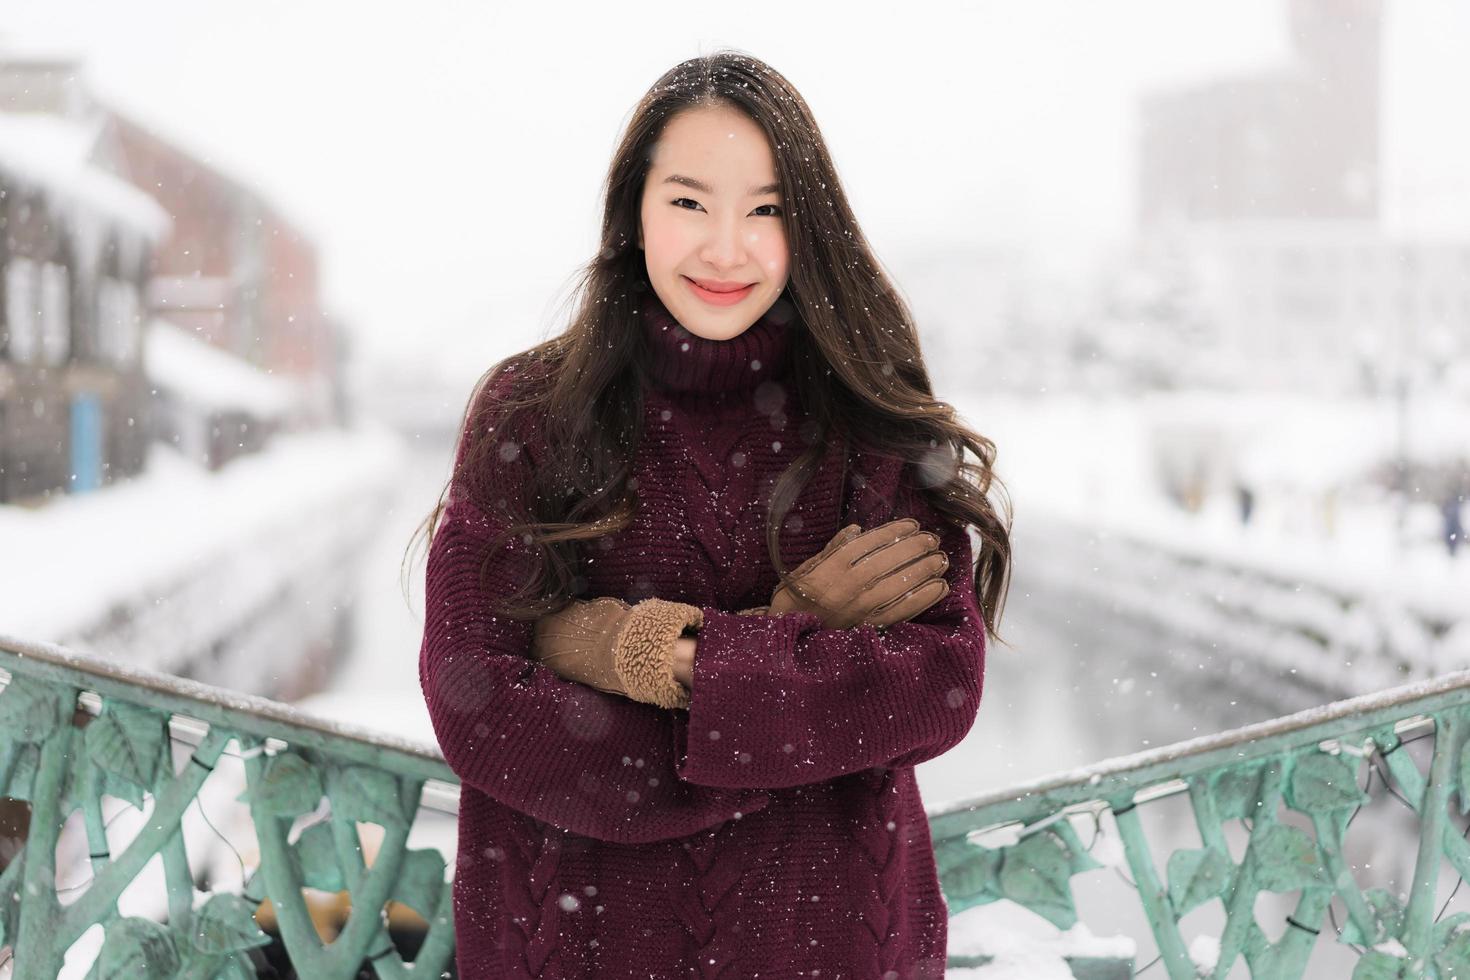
x: 202, y: 374
x: 54, y: 153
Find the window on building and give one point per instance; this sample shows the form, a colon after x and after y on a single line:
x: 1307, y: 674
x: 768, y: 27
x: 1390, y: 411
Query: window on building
x: 22, y: 308
x: 118, y: 326
x: 55, y: 313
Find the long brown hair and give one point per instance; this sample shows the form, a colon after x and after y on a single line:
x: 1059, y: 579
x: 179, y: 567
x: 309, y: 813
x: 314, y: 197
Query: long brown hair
x: 856, y: 360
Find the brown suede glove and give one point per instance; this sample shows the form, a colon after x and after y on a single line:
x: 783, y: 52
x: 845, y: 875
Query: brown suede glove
x: 621, y: 649
x: 879, y: 577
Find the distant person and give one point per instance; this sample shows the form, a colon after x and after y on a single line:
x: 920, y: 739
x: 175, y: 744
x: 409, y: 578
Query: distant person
x: 681, y: 756
x: 1246, y: 501
x: 1454, y: 527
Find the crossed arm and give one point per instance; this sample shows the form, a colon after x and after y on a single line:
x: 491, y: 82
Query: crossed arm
x: 887, y: 575
x: 774, y: 700
x: 784, y: 700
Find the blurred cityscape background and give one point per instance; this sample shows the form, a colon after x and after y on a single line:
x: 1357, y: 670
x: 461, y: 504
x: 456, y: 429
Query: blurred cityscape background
x: 1203, y: 275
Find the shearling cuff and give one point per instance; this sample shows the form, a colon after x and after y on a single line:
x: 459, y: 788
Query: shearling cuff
x: 644, y: 655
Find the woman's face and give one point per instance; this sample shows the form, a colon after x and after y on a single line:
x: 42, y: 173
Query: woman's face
x: 711, y: 214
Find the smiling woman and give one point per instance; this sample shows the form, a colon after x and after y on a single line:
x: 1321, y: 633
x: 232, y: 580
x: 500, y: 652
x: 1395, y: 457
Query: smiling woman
x: 714, y: 244
x: 704, y: 592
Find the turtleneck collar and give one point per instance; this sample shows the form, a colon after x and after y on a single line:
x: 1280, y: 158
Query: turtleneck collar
x: 685, y: 362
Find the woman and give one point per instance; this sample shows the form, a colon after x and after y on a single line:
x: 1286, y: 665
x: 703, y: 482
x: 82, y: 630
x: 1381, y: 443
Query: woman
x: 703, y: 592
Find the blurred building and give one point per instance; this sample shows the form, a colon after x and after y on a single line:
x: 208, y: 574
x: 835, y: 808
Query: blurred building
x: 235, y: 271
x: 147, y: 297
x: 1259, y: 236
x: 1297, y: 142
x: 112, y: 231
x: 75, y: 257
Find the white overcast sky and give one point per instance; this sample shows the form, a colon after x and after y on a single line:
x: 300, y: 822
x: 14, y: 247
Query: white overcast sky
x: 446, y: 157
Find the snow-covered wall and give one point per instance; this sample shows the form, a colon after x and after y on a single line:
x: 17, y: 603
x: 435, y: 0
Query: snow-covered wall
x: 224, y: 577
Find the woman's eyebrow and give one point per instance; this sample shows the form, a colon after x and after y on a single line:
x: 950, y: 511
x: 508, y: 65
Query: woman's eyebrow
x: 700, y: 185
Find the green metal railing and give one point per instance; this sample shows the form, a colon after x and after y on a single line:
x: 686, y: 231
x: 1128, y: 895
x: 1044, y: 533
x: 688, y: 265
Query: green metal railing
x: 74, y: 728
x: 1278, y: 778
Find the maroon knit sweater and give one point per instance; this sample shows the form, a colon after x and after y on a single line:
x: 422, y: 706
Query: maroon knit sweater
x: 773, y: 830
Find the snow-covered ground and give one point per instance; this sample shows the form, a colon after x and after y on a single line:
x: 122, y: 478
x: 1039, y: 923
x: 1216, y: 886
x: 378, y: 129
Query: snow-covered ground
x: 70, y: 562
x: 1024, y: 946
x: 1099, y: 462
x: 239, y: 578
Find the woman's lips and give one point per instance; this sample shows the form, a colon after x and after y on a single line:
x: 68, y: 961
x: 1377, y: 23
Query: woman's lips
x: 718, y: 299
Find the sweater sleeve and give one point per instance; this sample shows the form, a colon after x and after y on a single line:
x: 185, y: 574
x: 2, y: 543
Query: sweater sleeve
x: 592, y: 763
x: 782, y: 701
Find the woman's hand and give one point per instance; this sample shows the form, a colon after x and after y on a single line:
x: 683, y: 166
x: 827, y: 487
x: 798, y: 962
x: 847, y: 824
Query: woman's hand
x: 617, y: 648
x: 684, y: 648
x: 879, y: 577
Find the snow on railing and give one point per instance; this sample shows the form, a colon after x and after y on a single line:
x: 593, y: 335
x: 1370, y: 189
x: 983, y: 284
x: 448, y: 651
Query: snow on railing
x: 1283, y: 793
x: 1271, y: 805
x: 75, y: 729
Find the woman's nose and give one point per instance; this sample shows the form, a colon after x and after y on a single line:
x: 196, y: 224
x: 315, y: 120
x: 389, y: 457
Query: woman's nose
x: 724, y: 247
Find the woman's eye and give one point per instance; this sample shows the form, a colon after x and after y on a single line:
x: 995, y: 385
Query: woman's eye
x: 681, y: 201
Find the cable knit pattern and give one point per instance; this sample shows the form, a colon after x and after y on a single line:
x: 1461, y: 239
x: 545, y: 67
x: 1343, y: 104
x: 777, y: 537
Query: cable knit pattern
x: 710, y: 902
x: 749, y: 834
x: 880, y: 834
x: 533, y: 857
